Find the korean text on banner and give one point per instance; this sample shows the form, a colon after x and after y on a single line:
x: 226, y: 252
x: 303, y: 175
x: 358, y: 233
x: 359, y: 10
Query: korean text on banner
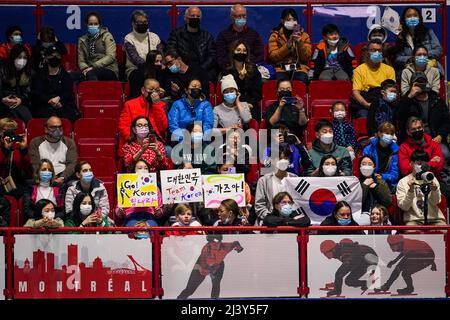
x: 181, y: 186
x: 137, y: 190
x: 219, y: 187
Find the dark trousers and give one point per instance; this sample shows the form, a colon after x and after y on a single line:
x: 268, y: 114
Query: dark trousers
x: 22, y: 112
x: 136, y: 79
x: 197, y: 278
x: 101, y: 74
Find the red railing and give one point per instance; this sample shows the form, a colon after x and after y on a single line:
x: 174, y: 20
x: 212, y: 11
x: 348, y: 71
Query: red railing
x: 156, y: 237
x: 174, y: 11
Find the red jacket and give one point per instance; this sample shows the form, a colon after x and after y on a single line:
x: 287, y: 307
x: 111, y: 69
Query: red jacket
x: 6, y: 47
x: 139, y: 107
x: 431, y: 147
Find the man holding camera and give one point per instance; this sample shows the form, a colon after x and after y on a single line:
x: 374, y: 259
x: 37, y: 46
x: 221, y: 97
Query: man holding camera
x: 419, y: 193
x: 424, y: 103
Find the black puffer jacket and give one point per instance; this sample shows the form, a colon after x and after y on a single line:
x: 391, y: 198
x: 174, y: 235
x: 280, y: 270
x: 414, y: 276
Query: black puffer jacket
x: 438, y: 115
x: 194, y: 47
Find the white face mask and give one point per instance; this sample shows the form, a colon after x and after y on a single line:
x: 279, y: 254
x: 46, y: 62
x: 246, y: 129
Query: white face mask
x: 289, y: 25
x: 142, y: 171
x: 329, y: 171
x: 48, y: 214
x: 366, y: 171
x: 282, y: 164
x: 339, y: 115
x: 85, y: 209
x: 20, y: 63
x: 327, y: 138
x: 333, y: 42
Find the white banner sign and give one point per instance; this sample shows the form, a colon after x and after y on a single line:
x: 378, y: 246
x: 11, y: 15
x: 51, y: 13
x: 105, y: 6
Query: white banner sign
x: 317, y: 196
x: 219, y: 187
x: 379, y: 266
x: 226, y: 266
x: 181, y: 186
x: 2, y: 268
x: 82, y: 266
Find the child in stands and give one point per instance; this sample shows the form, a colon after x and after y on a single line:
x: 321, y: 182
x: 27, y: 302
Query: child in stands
x: 343, y: 131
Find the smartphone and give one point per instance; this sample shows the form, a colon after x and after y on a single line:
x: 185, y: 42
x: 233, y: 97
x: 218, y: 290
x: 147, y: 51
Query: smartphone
x: 297, y: 28
x: 232, y: 170
x: 152, y: 138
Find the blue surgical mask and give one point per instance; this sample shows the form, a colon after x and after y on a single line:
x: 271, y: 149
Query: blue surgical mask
x: 17, y: 39
x: 230, y: 97
x: 46, y: 44
x: 344, y: 222
x: 45, y: 176
x: 286, y: 210
x: 387, y: 138
x: 93, y: 30
x: 421, y: 61
x: 174, y: 68
x: 240, y: 22
x: 391, y: 96
x: 412, y: 22
x: 376, y: 56
x: 196, y: 137
x: 87, y: 177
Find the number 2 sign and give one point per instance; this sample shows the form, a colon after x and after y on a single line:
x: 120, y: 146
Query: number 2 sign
x: 429, y: 14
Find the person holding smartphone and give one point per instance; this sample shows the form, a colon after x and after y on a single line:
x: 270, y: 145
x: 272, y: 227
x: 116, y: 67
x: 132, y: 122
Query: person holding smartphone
x: 288, y: 109
x: 85, y: 213
x: 143, y: 144
x: 290, y: 48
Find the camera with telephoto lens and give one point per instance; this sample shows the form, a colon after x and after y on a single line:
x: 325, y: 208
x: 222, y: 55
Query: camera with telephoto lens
x: 425, y: 174
x: 12, y: 136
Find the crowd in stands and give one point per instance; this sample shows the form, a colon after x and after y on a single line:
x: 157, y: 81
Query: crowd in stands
x: 395, y: 91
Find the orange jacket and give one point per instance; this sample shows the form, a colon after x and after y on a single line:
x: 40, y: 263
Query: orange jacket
x: 280, y: 54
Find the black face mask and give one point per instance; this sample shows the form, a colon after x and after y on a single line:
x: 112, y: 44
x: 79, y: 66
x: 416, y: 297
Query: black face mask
x: 194, y: 22
x: 417, y: 135
x: 54, y: 62
x: 196, y: 93
x: 142, y: 28
x: 284, y: 93
x: 239, y: 57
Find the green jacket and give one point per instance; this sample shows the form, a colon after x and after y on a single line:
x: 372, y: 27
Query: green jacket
x: 344, y: 162
x: 381, y: 194
x: 105, y: 56
x: 70, y: 223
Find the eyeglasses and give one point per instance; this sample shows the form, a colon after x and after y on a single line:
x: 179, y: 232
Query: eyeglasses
x: 140, y: 125
x: 282, y: 203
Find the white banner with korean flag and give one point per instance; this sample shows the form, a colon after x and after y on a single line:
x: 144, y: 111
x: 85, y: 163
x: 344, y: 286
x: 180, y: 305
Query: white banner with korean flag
x: 317, y: 196
x: 219, y: 187
x: 181, y: 186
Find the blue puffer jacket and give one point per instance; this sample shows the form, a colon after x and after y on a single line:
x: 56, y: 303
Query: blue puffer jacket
x: 392, y: 174
x: 180, y: 115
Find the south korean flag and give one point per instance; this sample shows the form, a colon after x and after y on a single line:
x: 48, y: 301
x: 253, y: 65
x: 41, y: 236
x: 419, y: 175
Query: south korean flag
x: 317, y: 196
